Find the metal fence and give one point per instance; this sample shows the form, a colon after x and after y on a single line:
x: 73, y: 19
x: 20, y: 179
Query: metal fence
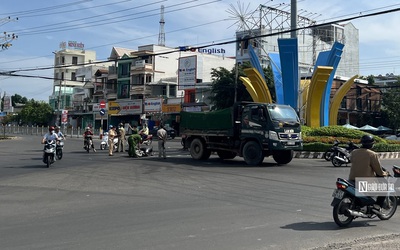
x: 41, y: 130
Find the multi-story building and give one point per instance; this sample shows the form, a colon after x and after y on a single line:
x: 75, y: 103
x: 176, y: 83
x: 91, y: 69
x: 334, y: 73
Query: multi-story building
x: 361, y: 105
x: 67, y: 61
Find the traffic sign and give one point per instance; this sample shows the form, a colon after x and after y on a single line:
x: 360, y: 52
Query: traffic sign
x: 102, y: 112
x: 102, y: 104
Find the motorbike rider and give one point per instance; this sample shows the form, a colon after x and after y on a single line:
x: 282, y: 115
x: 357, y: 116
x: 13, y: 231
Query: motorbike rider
x: 365, y: 163
x: 50, y: 136
x: 88, y: 135
x: 59, y: 133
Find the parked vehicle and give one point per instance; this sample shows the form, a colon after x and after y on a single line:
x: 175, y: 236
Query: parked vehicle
x: 347, y: 206
x: 104, y: 141
x: 330, y: 153
x: 250, y: 130
x: 49, y: 152
x: 342, y: 155
x: 171, y: 133
x: 59, y: 149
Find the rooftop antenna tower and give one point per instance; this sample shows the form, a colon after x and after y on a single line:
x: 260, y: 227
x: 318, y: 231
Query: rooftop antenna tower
x: 161, y: 35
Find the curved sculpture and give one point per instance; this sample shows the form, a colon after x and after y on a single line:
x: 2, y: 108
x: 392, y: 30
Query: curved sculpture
x: 259, y: 85
x: 315, y: 94
x: 337, y: 99
x: 249, y: 87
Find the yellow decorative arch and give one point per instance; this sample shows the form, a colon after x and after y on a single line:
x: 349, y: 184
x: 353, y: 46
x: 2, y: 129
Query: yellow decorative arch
x: 315, y: 93
x: 337, y: 99
x: 249, y: 87
x: 304, y: 86
x: 259, y: 85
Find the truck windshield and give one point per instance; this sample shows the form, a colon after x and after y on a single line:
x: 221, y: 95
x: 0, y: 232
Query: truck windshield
x: 283, y: 113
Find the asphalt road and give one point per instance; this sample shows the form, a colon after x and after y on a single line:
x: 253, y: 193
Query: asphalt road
x: 94, y: 201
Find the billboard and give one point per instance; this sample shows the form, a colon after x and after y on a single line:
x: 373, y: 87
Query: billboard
x: 7, y: 104
x: 187, y: 72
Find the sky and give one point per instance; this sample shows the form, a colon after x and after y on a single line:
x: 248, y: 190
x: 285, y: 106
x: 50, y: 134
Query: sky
x: 103, y: 24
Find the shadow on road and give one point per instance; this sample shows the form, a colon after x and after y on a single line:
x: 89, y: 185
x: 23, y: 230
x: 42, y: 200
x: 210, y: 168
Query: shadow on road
x: 323, y: 226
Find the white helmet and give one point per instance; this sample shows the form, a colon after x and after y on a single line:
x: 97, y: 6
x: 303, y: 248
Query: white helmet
x: 87, y: 128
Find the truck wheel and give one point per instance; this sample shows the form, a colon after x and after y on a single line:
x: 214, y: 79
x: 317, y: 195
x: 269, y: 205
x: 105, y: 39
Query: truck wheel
x: 252, y: 153
x: 198, y: 150
x: 283, y: 156
x: 226, y: 155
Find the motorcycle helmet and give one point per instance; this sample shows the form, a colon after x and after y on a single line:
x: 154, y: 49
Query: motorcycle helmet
x: 51, y: 128
x: 367, y: 141
x: 121, y: 124
x: 111, y: 126
x: 87, y: 128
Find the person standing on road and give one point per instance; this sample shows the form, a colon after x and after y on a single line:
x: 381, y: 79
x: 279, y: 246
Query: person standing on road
x: 111, y: 135
x: 121, y: 138
x: 162, y: 138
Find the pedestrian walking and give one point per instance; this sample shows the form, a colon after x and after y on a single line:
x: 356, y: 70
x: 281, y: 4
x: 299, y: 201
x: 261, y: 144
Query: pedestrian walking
x: 111, y: 136
x: 121, y: 138
x: 162, y: 138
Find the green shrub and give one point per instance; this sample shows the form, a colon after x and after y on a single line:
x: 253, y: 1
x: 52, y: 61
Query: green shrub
x: 320, y: 139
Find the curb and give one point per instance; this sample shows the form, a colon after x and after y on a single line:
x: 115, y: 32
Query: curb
x: 319, y: 155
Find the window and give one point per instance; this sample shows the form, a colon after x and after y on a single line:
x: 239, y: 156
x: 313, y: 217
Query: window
x: 359, y: 104
x: 62, y: 75
x: 74, y: 60
x: 172, y: 90
x: 73, y: 76
x: 148, y: 78
x: 62, y: 60
x: 124, y: 69
x: 164, y: 90
x: 343, y: 104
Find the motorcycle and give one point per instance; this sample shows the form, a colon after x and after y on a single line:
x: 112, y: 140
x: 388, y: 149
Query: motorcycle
x: 148, y: 141
x: 104, y: 141
x: 330, y: 153
x: 347, y: 206
x: 142, y: 151
x: 88, y: 143
x: 342, y: 155
x: 48, y: 152
x: 59, y: 149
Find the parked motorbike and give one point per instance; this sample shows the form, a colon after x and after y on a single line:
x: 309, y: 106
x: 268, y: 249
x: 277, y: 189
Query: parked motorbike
x: 88, y: 143
x: 347, y: 206
x: 330, y: 153
x: 59, y: 149
x: 48, y: 152
x: 396, y: 174
x: 148, y: 141
x: 342, y: 155
x: 104, y: 141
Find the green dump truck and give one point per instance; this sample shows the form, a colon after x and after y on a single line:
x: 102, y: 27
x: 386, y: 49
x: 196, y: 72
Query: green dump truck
x: 249, y: 130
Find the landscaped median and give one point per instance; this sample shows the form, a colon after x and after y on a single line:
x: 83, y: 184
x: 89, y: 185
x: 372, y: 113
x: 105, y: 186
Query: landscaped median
x: 318, y: 140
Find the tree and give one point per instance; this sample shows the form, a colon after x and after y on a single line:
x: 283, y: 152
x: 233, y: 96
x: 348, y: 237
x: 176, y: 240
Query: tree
x: 391, y: 107
x: 18, y: 99
x: 36, y: 112
x: 223, y: 87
